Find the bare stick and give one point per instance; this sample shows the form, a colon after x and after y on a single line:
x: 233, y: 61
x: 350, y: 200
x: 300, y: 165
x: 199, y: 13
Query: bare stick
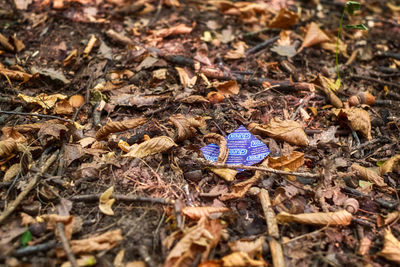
x: 273, y: 231
x: 65, y: 244
x: 95, y: 197
x: 255, y: 168
x: 32, y: 183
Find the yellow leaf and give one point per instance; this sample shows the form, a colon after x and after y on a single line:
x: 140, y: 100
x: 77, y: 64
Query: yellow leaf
x: 391, y: 247
x: 44, y: 100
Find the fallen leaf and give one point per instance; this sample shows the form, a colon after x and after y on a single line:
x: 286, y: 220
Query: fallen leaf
x: 241, y: 259
x: 336, y: 218
x: 215, y: 97
x: 102, y: 242
x: 186, y: 126
x: 150, y: 147
x: 221, y: 142
x: 287, y: 130
x: 22, y: 4
x: 11, y: 172
x: 391, y: 247
x: 252, y: 248
x: 193, y: 99
x: 53, y: 74
x: 105, y: 202
x: 26, y: 219
x: 314, y: 36
x: 284, y: 19
x: 44, y: 100
x: 227, y: 88
x: 52, y: 220
x: 238, y: 51
x: 7, y: 147
x: 63, y: 107
x: 174, y: 30
x: 391, y: 165
x: 84, y: 260
x: 15, y: 74
x: 227, y: 174
x: 186, y: 81
x: 118, y: 126
x: 371, y: 176
x: 291, y: 162
x: 358, y: 119
x: 196, y: 213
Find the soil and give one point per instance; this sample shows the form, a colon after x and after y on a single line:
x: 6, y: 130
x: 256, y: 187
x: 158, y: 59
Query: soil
x: 143, y: 66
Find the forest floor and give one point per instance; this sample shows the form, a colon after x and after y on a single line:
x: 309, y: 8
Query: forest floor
x: 107, y: 106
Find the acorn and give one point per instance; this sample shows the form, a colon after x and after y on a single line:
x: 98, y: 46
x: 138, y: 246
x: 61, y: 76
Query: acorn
x: 361, y: 98
x: 351, y: 205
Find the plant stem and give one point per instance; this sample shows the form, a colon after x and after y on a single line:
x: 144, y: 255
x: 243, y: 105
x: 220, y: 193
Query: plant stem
x: 337, y: 43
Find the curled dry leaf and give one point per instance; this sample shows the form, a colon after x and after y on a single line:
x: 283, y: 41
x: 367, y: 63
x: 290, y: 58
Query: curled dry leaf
x: 287, y: 130
x: 227, y: 88
x: 341, y: 217
x: 186, y: 79
x: 358, y: 120
x: 196, y: 213
x: 7, y: 147
x: 187, y: 125
x: 284, y: 19
x: 241, y: 258
x: 215, y: 97
x: 118, y: 126
x: 391, y: 165
x: 291, y: 162
x: 326, y: 87
x: 101, y: 242
x: 222, y: 144
x: 15, y: 74
x: 237, y: 52
x: 52, y: 220
x: 63, y: 107
x: 11, y: 172
x: 84, y: 260
x: 153, y: 146
x: 105, y: 202
x: 314, y: 36
x: 44, y: 100
x: 26, y: 219
x: 391, y: 247
x: 371, y: 176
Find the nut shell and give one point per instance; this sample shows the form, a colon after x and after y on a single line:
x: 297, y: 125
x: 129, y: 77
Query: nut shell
x: 361, y: 98
x: 351, y: 205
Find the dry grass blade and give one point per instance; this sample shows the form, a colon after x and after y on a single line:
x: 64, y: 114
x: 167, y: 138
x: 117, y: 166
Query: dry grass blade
x: 118, y: 126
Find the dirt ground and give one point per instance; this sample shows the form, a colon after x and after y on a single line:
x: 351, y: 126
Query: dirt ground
x: 105, y: 107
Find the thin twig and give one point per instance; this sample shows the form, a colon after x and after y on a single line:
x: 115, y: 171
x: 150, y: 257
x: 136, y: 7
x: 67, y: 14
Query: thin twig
x: 376, y: 80
x: 261, y: 46
x: 35, y: 249
x: 255, y: 168
x: 32, y: 183
x: 34, y: 114
x: 65, y: 244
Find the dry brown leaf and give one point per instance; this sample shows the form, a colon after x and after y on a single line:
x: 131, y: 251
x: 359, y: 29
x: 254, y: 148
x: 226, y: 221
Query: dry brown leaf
x: 391, y: 247
x: 227, y: 88
x: 11, y: 132
x: 193, y: 99
x: 174, y: 30
x: 44, y: 100
x: 237, y: 259
x: 196, y: 213
x: 314, y: 36
x: 292, y: 161
x: 118, y: 126
x: 63, y: 107
x: 284, y: 19
x: 326, y: 87
x: 287, y: 130
x: 215, y: 97
x: 252, y: 248
x: 341, y: 217
x: 15, y: 74
x: 53, y: 219
x: 153, y: 146
x: 105, y: 241
x: 105, y: 202
x: 358, y: 119
x: 197, y: 239
x: 371, y: 176
x: 391, y: 165
x: 18, y: 44
x: 7, y: 147
x: 221, y: 142
x: 226, y: 174
x: 187, y: 126
x: 187, y: 80
x: 11, y: 172
x: 383, y: 220
x: 238, y: 51
x: 240, y: 189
